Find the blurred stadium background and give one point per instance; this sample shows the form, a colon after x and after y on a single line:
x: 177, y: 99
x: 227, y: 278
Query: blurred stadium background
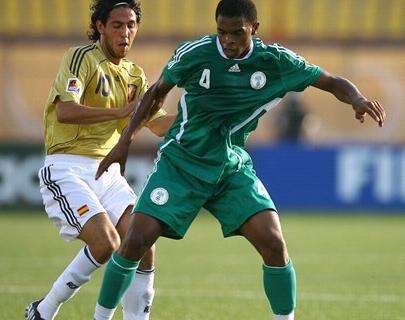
x: 361, y: 40
x: 309, y: 152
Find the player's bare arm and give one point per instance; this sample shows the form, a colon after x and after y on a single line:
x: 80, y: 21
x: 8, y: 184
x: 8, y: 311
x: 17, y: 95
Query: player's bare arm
x: 347, y: 92
x: 161, y: 125
x: 152, y: 101
x: 71, y: 112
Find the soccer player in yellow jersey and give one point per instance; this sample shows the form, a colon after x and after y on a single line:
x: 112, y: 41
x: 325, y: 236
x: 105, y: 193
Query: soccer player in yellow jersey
x: 95, y: 91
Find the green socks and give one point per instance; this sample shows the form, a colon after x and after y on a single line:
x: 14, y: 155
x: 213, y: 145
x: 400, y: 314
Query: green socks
x: 118, y: 276
x: 280, y: 287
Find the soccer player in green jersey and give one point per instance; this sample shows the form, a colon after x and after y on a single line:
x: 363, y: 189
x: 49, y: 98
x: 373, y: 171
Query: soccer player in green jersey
x: 230, y: 79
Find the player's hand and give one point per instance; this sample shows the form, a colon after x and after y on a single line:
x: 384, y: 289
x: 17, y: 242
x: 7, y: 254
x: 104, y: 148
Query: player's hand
x: 118, y: 154
x: 131, y: 94
x: 373, y: 108
x: 127, y: 110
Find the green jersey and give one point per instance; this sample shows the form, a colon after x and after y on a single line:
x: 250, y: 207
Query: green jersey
x: 223, y: 100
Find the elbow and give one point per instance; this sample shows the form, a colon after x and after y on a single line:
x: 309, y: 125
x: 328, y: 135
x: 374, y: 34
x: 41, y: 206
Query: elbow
x: 337, y: 83
x: 62, y: 116
x: 156, y: 130
x: 160, y: 133
x: 63, y: 113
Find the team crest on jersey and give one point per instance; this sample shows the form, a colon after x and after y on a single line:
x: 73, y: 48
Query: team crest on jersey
x: 159, y: 196
x: 74, y: 85
x: 258, y: 80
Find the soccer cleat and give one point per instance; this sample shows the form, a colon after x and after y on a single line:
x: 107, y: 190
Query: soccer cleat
x: 31, y: 312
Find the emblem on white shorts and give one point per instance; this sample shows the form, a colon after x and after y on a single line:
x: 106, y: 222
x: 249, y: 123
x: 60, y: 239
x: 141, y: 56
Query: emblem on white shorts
x: 159, y: 196
x: 258, y: 80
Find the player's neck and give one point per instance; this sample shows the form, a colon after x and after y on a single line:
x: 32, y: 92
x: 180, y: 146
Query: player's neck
x: 109, y: 54
x: 245, y: 52
x: 245, y: 55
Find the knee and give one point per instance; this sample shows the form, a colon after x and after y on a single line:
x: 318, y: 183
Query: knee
x: 137, y: 239
x: 106, y: 244
x: 277, y: 245
x: 274, y: 252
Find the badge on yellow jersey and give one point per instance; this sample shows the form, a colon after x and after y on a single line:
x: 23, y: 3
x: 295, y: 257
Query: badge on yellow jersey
x: 74, y: 85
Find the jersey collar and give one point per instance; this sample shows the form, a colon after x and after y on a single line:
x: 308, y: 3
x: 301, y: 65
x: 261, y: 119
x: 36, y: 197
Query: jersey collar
x: 222, y: 53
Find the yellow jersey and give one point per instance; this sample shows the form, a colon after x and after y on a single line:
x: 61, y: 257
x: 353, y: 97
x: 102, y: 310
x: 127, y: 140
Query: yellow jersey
x: 87, y: 77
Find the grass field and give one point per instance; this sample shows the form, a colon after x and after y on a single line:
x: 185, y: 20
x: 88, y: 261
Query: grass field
x: 348, y: 267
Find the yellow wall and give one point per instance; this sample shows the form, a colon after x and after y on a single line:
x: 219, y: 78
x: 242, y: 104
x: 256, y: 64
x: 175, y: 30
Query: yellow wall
x: 287, y: 19
x: 379, y: 72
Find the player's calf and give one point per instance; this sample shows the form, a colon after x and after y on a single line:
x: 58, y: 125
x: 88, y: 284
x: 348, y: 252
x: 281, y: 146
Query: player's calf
x: 76, y: 274
x: 263, y: 230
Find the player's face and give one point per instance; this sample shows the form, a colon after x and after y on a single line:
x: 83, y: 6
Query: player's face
x: 119, y: 32
x: 235, y: 35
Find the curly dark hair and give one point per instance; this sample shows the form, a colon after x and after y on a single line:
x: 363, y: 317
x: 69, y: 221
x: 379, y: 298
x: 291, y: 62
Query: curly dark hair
x: 100, y: 10
x: 237, y: 8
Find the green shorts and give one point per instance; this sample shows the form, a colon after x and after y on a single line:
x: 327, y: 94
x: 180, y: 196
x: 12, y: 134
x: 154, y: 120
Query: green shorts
x: 175, y: 197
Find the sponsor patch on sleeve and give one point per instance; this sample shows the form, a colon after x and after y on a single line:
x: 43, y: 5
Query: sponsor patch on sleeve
x: 74, y: 85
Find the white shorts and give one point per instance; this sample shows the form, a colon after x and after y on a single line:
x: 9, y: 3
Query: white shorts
x: 72, y: 196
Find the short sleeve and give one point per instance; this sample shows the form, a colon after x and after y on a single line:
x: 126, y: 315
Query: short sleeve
x: 179, y: 67
x: 72, y: 77
x: 142, y: 90
x: 295, y: 72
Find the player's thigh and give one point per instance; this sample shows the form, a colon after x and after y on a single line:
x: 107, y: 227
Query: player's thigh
x: 68, y: 200
x: 239, y: 197
x: 116, y: 196
x: 173, y: 197
x: 263, y: 231
x: 124, y: 222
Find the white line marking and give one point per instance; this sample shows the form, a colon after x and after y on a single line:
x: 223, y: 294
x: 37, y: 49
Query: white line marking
x: 234, y: 294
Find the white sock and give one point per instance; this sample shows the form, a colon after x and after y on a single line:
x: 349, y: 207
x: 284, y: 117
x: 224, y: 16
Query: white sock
x: 137, y: 301
x: 101, y: 313
x: 286, y: 317
x: 69, y: 282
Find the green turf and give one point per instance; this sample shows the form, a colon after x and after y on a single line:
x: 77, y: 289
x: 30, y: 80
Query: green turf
x: 348, y: 267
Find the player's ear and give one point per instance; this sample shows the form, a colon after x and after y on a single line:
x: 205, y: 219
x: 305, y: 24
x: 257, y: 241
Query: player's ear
x: 255, y: 28
x: 100, y: 26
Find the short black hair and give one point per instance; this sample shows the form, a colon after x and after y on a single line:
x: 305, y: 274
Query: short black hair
x: 100, y: 10
x: 237, y: 8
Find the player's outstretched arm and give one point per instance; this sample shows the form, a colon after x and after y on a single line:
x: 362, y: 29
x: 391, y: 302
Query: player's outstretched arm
x: 71, y: 112
x: 161, y: 125
x: 347, y: 92
x: 151, y: 102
